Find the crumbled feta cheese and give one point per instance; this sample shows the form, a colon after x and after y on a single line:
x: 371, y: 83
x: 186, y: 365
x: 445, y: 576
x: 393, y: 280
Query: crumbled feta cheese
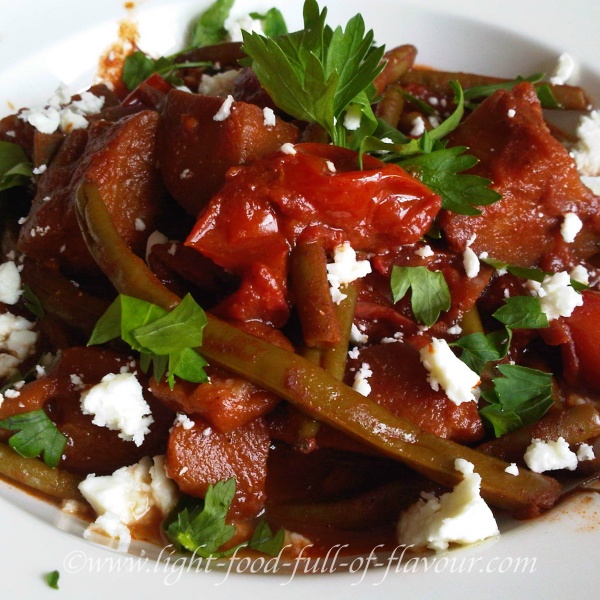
x: 586, y: 151
x: 70, y: 120
x: 288, y: 148
x: 424, y: 251
x: 471, y: 263
x: 39, y: 170
x: 109, y: 525
x: 220, y: 84
x: 459, y: 517
x: 117, y: 403
x: 269, y: 117
x: 345, y: 269
x: 447, y: 371
x: 454, y: 330
x: 354, y: 353
x: 330, y: 166
x: 543, y: 456
x: 156, y: 237
x: 11, y: 394
x: 580, y: 274
x: 183, y: 471
x: 225, y: 111
x: 88, y: 104
x: 206, y: 432
x: 557, y: 297
x: 164, y: 490
x: 353, y: 117
x: 418, y: 127
x: 585, y: 452
x: 357, y: 336
x: 565, y: 67
x: 139, y: 225
x: 184, y: 421
x: 511, y: 113
x: 512, y: 469
x: 235, y: 25
x: 17, y: 342
x: 76, y: 381
x: 361, y: 384
x: 45, y: 120
x: 10, y: 283
x: 570, y: 227
x: 128, y: 494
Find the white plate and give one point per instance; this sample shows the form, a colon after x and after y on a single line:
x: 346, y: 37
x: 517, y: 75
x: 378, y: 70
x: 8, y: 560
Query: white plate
x: 44, y: 43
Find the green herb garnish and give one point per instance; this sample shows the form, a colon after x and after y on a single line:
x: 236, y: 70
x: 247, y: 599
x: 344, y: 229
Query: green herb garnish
x: 272, y: 21
x: 478, y: 348
x: 429, y: 291
x: 521, y: 396
x: 165, y: 340
x: 32, y: 302
x: 52, y: 579
x: 318, y: 73
x: 37, y: 434
x: 210, y: 29
x: 522, y: 312
x: 15, y: 167
x: 199, y: 526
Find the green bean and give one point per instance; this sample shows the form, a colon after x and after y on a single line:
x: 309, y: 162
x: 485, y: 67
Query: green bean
x: 312, y: 296
x: 391, y: 105
x: 37, y: 475
x: 397, y: 62
x: 309, y: 387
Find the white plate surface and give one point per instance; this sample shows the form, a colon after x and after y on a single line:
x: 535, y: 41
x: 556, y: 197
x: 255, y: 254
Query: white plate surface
x: 45, y: 43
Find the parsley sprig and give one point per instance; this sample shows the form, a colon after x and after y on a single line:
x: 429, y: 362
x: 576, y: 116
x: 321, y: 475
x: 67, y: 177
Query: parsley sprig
x: 200, y: 526
x: 37, y: 434
x: 319, y: 73
x: 165, y: 340
x: 15, y: 167
x: 521, y: 396
x: 429, y: 291
x: 438, y: 167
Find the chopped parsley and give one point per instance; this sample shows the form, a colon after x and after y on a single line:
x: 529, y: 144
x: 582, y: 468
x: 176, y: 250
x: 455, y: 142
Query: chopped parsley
x: 200, y: 526
x: 165, y: 340
x: 52, y: 579
x: 15, y: 167
x: 429, y: 291
x: 37, y: 434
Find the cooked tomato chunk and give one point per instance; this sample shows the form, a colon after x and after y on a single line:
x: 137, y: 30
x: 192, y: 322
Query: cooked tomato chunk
x: 538, y: 182
x: 200, y: 456
x: 195, y: 150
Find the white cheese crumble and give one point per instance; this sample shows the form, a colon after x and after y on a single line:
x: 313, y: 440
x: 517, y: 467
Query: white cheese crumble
x: 235, y: 25
x: 424, y: 251
x: 543, y: 456
x: 585, y: 452
x: 361, y: 384
x: 288, y: 148
x: 564, y: 69
x: 557, y: 297
x: 17, y: 342
x: 330, y: 166
x: 269, y: 117
x: 580, y: 274
x: 512, y: 469
x: 357, y: 336
x: 220, y: 84
x: 109, y: 525
x: 450, y: 373
x: 457, y: 517
x: 471, y: 263
x: 39, y: 170
x: 155, y: 238
x: 454, y: 330
x: 117, y: 402
x: 353, y: 117
x: 511, y: 113
x: 418, y: 127
x: 225, y: 111
x: 10, y: 283
x: 184, y: 421
x: 586, y: 151
x: 139, y: 224
x: 60, y: 114
x: 345, y: 269
x: 570, y: 227
x: 127, y: 495
x: 354, y: 352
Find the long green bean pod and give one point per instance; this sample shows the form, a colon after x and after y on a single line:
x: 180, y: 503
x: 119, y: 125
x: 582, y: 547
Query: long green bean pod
x: 37, y: 475
x: 309, y: 387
